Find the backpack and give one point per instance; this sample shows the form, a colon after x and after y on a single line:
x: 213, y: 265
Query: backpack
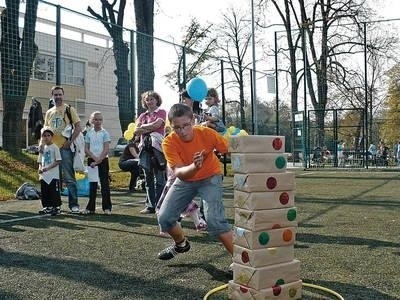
x: 27, y: 191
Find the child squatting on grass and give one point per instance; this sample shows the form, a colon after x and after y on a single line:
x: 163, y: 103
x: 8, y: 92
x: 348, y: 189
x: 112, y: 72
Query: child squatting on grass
x: 189, y: 151
x: 49, y: 174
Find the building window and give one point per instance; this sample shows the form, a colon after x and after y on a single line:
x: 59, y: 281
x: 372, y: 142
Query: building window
x: 72, y: 71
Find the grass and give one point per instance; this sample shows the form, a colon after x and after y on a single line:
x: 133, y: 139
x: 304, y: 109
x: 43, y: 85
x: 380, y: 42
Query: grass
x: 347, y: 240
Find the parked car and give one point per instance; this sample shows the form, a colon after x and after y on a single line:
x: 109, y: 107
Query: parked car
x: 33, y: 149
x: 119, y: 148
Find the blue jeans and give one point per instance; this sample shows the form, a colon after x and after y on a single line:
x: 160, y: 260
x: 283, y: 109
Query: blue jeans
x: 181, y: 193
x: 67, y: 167
x: 155, y: 182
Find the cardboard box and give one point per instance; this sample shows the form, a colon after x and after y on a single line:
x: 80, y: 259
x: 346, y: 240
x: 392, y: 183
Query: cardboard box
x: 263, y: 200
x: 257, y: 144
x: 258, y: 162
x: 264, y: 182
x: 262, y: 257
x: 262, y: 239
x: 288, y: 291
x: 266, y: 219
x: 266, y: 277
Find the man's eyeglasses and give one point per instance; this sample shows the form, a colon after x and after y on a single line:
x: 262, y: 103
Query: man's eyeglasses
x: 181, y: 128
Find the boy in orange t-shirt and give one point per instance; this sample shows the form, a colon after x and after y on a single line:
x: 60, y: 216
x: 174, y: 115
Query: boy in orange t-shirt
x: 189, y: 151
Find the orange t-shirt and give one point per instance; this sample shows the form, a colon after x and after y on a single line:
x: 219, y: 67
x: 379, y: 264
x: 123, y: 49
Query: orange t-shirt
x: 178, y: 152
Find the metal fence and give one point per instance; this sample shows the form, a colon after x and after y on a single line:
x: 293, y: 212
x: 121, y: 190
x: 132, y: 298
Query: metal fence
x: 76, y: 51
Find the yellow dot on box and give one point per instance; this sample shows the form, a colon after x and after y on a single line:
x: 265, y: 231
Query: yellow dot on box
x: 272, y: 251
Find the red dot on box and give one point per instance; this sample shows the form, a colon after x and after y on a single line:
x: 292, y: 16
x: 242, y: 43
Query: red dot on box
x: 271, y: 183
x: 276, y: 289
x: 277, y: 143
x: 284, y: 198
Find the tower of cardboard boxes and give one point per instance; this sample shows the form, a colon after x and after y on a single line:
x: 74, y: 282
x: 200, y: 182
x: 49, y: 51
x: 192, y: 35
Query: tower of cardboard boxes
x: 265, y: 221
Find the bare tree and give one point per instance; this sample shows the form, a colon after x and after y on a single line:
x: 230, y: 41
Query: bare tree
x: 327, y: 36
x: 17, y: 55
x: 233, y: 41
x: 199, y: 46
x: 112, y: 20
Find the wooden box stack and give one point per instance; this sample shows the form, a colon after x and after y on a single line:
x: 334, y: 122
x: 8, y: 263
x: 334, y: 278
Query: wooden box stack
x: 265, y: 221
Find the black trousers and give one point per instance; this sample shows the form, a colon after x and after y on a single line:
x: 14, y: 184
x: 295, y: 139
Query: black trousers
x: 104, y: 169
x: 50, y: 193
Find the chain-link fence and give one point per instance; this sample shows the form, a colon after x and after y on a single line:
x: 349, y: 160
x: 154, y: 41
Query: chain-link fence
x: 76, y: 51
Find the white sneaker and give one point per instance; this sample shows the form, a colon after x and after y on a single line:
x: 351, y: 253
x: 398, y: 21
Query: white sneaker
x: 75, y: 209
x: 107, y: 212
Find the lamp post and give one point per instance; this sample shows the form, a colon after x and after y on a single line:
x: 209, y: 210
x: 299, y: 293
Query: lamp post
x: 254, y: 86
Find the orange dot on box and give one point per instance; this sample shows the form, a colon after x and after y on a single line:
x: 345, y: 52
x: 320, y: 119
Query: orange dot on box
x: 284, y: 198
x: 277, y: 143
x: 287, y: 235
x: 271, y: 183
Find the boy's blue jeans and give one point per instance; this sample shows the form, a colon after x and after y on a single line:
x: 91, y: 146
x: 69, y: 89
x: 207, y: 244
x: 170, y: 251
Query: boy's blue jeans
x: 67, y: 166
x: 181, y: 193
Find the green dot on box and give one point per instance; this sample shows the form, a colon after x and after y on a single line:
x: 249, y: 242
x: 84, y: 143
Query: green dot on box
x: 263, y: 238
x: 280, y: 162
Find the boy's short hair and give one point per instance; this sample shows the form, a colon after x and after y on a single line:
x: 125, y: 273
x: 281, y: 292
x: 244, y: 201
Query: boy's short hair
x: 179, y: 110
x: 46, y: 129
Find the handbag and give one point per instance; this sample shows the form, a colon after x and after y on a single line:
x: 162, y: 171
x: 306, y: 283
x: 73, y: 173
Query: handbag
x: 78, y: 145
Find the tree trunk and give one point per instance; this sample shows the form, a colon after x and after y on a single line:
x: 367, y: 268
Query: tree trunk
x: 16, y: 62
x: 144, y: 15
x: 125, y: 105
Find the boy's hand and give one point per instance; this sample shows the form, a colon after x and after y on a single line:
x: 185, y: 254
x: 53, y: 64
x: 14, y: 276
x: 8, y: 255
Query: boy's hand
x: 198, y: 159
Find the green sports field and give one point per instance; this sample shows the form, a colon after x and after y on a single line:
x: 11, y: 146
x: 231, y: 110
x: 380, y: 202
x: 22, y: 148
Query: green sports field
x: 348, y: 240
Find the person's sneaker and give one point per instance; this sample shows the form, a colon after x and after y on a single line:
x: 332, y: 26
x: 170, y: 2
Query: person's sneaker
x: 202, y: 227
x: 45, y: 211
x: 55, y: 211
x: 173, y: 250
x: 107, y: 211
x: 147, y: 211
x: 75, y: 209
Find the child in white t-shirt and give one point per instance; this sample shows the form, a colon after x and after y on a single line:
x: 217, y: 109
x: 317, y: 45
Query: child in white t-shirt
x: 49, y: 174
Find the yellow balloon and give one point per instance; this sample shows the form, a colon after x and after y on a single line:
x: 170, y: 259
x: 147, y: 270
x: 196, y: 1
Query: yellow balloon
x: 227, y: 134
x: 242, y: 132
x: 131, y: 127
x: 128, y: 134
x: 231, y: 129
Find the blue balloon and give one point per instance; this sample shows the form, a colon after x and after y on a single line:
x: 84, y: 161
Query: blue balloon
x: 197, y: 89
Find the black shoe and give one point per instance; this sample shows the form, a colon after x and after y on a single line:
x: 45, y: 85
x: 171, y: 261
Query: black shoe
x: 173, y: 250
x: 55, y: 211
x: 46, y: 211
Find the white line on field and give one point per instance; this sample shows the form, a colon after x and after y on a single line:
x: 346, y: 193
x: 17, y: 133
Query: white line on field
x: 41, y: 216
